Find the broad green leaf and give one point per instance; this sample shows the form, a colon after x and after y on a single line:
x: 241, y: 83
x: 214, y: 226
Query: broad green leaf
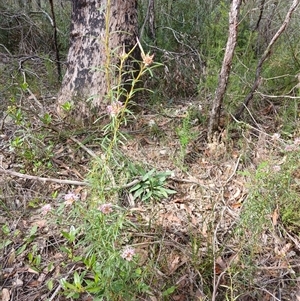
x: 33, y: 230
x: 169, y: 291
x: 38, y: 260
x: 147, y: 196
x: 5, y: 229
x: 134, y: 188
x: 50, y: 284
x: 77, y: 280
x: 148, y: 175
x: 21, y: 250
x: 138, y: 193
x: 5, y: 243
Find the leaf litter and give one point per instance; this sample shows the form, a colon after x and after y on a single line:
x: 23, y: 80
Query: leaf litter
x: 191, y: 234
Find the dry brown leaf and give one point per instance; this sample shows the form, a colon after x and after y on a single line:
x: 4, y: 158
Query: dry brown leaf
x: 182, y: 281
x: 144, y: 139
x: 220, y: 265
x: 78, y: 190
x: 298, y: 295
x: 54, y: 186
x: 84, y: 195
x: 60, y: 151
x: 169, y: 218
x: 187, y: 208
x: 11, y: 258
x: 275, y: 216
x: 204, y: 229
x: 143, y: 256
x: 18, y: 282
x: 234, y: 258
x: 178, y: 200
x: 195, y: 221
x: 57, y: 271
x: 199, y: 296
x: 34, y: 283
x: 63, y: 173
x: 179, y: 298
x: 173, y: 266
x: 236, y: 205
x: 236, y: 194
x: 42, y: 277
x: 5, y: 294
x: 40, y: 224
x: 32, y: 271
x: 284, y: 250
x: 221, y: 262
x: 58, y: 256
x: 267, y: 109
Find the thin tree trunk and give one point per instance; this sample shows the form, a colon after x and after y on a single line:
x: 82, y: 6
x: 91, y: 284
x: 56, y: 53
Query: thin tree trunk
x: 214, y: 117
x: 96, y: 43
x: 150, y: 19
x: 261, y: 11
x: 265, y: 55
x: 55, y: 42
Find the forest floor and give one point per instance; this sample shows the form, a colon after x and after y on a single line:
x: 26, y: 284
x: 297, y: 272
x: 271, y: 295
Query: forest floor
x: 192, y: 237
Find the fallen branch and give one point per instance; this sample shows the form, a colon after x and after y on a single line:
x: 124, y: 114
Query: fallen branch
x: 80, y: 183
x: 42, y: 179
x: 277, y: 96
x: 61, y: 181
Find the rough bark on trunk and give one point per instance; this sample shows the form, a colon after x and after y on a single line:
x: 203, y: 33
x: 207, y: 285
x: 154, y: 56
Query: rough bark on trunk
x: 214, y: 117
x: 85, y: 83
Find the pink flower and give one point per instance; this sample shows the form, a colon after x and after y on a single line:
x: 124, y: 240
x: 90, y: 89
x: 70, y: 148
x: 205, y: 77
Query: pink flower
x: 105, y: 208
x: 297, y: 141
x: 70, y: 198
x: 115, y: 108
x: 276, y: 168
x: 275, y: 136
x: 147, y: 59
x: 291, y: 148
x: 45, y: 209
x: 128, y: 253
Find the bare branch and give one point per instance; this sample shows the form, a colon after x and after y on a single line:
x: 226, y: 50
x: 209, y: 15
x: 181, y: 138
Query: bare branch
x: 61, y: 181
x: 30, y: 177
x: 264, y: 57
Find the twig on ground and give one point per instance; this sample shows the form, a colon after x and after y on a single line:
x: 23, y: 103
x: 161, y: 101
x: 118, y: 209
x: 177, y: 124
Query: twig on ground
x: 187, y: 181
x: 42, y: 179
x: 256, y: 129
x: 279, y: 267
x: 235, y: 169
x: 270, y: 294
x: 217, y: 278
x: 278, y: 96
x: 59, y: 286
x: 61, y: 181
x: 297, y: 243
x: 89, y: 151
x: 93, y: 155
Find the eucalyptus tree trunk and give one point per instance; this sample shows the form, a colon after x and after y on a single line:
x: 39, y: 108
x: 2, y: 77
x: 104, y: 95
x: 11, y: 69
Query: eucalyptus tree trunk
x: 214, y: 117
x: 100, y: 31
